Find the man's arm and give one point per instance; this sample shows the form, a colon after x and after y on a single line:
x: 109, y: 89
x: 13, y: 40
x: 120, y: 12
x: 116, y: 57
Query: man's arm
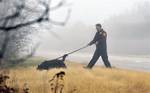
x: 94, y: 39
x: 104, y: 34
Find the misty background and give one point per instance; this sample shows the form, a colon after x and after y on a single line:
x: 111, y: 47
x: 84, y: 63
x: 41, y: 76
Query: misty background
x: 44, y: 32
x: 126, y: 22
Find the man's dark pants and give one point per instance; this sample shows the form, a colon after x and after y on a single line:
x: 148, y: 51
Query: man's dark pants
x: 96, y: 56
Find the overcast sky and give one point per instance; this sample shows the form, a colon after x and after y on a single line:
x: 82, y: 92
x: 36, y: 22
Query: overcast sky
x: 88, y: 13
x: 93, y: 11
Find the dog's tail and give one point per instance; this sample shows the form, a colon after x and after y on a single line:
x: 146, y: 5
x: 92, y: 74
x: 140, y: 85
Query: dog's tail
x: 64, y: 57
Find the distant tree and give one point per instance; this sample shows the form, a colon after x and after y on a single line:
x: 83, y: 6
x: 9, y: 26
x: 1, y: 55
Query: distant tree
x: 18, y: 21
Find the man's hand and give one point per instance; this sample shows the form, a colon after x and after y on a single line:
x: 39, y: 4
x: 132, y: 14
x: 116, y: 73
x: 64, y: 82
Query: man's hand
x: 91, y: 43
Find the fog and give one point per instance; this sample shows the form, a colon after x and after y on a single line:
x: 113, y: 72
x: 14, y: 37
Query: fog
x: 126, y: 22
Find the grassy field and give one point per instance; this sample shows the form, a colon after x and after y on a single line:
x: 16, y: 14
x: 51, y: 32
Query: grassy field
x: 80, y: 80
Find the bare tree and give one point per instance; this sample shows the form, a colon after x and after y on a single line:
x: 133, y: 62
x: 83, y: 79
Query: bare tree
x: 17, y: 19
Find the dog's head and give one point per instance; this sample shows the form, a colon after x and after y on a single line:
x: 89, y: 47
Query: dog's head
x: 40, y: 66
x: 44, y: 65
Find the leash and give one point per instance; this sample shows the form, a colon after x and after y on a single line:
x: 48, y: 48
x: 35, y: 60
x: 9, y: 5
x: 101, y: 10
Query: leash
x: 74, y: 51
x: 77, y: 50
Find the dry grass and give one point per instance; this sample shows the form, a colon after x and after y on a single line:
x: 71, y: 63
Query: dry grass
x: 79, y: 80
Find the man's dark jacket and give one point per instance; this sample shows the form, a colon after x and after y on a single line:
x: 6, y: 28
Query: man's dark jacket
x: 100, y: 41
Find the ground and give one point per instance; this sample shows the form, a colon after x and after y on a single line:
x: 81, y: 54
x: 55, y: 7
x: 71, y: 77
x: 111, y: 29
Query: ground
x: 80, y: 80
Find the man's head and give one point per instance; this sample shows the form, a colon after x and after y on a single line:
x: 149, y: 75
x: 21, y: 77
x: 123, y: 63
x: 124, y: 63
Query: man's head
x: 98, y: 27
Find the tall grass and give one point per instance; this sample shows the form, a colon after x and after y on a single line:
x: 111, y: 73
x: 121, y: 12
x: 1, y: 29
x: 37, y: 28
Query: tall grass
x: 79, y: 80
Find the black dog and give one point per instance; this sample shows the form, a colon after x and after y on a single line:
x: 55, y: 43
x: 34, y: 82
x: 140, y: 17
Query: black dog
x: 56, y: 63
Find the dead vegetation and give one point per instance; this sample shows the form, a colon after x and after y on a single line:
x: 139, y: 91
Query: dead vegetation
x: 5, y: 88
x: 75, y: 79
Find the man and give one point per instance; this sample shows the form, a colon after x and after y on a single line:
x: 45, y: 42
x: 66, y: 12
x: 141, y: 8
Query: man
x: 101, y: 47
